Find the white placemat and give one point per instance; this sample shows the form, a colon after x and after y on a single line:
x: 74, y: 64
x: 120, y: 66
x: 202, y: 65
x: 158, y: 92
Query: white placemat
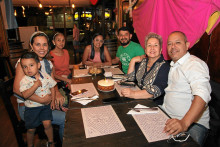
x: 84, y: 97
x: 152, y: 125
x: 115, y: 71
x: 99, y: 121
x: 88, y: 86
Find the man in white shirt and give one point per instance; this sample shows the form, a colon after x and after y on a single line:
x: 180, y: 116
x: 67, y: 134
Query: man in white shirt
x: 188, y: 91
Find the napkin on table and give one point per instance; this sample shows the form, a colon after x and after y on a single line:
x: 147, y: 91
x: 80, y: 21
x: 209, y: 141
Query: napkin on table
x: 141, y: 112
x: 81, y: 73
x: 84, y: 100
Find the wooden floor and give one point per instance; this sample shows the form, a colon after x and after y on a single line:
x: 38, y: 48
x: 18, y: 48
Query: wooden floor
x: 7, y: 138
x: 7, y: 134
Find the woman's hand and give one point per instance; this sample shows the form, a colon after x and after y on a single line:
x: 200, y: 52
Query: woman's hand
x: 127, y: 92
x: 59, y: 100
x: 46, y: 99
x: 69, y: 81
x: 138, y: 58
x: 134, y: 60
x: 52, y: 105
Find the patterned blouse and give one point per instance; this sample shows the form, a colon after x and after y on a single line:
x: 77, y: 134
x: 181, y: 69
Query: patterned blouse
x: 153, y: 81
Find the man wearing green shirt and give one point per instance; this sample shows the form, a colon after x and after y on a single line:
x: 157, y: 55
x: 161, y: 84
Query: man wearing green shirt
x: 127, y: 50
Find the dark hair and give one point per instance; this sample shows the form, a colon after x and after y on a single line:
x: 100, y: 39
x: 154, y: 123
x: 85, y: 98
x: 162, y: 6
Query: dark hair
x: 124, y: 29
x: 30, y: 55
x: 36, y: 34
x: 101, y: 48
x: 55, y: 35
x: 184, y: 35
x: 40, y: 33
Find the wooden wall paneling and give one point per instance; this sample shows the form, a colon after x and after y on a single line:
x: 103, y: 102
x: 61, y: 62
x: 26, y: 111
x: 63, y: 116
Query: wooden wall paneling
x: 214, y: 55
x: 201, y: 48
x: 4, y: 52
x: 4, y: 49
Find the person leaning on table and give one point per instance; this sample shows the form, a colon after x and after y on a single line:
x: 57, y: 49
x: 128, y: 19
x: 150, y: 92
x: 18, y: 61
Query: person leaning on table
x: 188, y: 91
x: 127, y: 50
x: 151, y: 72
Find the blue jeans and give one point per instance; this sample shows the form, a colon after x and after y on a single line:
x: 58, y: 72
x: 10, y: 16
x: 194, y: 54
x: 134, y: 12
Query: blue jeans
x: 58, y: 119
x: 198, y: 132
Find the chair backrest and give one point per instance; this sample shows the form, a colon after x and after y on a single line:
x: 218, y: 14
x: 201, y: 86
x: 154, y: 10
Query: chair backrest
x: 214, y: 104
x: 6, y: 90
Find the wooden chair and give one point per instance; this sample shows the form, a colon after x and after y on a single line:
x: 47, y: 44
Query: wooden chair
x: 6, y: 90
x: 79, y: 51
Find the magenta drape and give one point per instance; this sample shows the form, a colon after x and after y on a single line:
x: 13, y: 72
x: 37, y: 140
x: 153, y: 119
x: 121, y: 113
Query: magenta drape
x: 166, y: 16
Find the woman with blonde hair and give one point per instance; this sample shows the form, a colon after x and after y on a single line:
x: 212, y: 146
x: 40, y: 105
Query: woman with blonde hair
x: 150, y: 71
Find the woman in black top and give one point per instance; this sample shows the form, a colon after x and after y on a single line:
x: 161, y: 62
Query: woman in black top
x: 150, y: 71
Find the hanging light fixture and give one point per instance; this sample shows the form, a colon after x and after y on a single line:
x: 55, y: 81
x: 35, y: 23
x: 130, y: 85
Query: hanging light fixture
x: 73, y: 6
x: 40, y: 5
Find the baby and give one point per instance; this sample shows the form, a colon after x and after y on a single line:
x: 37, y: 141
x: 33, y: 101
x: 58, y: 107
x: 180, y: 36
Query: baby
x: 41, y: 84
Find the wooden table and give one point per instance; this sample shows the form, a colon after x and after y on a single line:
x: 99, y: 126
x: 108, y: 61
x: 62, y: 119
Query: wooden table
x: 74, y: 134
x: 102, y: 95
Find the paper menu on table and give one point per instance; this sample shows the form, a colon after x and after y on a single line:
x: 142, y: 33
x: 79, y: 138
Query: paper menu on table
x: 88, y: 86
x: 152, y: 125
x: 81, y: 72
x: 115, y: 71
x: 119, y: 88
x: 99, y: 121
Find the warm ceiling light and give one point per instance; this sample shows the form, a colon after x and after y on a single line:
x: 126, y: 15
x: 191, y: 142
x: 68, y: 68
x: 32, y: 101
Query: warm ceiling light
x: 15, y: 13
x: 40, y: 5
x: 47, y: 13
x: 73, y: 6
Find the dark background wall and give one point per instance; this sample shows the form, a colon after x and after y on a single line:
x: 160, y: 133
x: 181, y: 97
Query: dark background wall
x: 208, y: 49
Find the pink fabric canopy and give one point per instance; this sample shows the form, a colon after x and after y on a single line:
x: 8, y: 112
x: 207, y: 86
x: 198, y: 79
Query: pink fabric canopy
x: 166, y: 16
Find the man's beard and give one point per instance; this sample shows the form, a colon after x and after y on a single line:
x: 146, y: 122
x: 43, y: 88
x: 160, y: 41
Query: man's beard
x: 125, y: 43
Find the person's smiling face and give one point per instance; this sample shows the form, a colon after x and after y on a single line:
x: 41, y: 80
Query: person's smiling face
x: 40, y: 46
x: 124, y: 37
x: 177, y: 46
x: 153, y: 49
x: 98, y: 41
x: 59, y: 41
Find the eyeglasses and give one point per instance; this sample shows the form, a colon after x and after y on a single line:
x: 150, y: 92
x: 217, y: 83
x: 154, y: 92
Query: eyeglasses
x: 181, y: 137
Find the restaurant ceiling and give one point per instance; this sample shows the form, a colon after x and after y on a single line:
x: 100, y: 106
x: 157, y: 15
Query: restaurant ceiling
x: 56, y: 3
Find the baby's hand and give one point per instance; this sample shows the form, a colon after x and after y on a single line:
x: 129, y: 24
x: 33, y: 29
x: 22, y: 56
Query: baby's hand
x: 38, y: 82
